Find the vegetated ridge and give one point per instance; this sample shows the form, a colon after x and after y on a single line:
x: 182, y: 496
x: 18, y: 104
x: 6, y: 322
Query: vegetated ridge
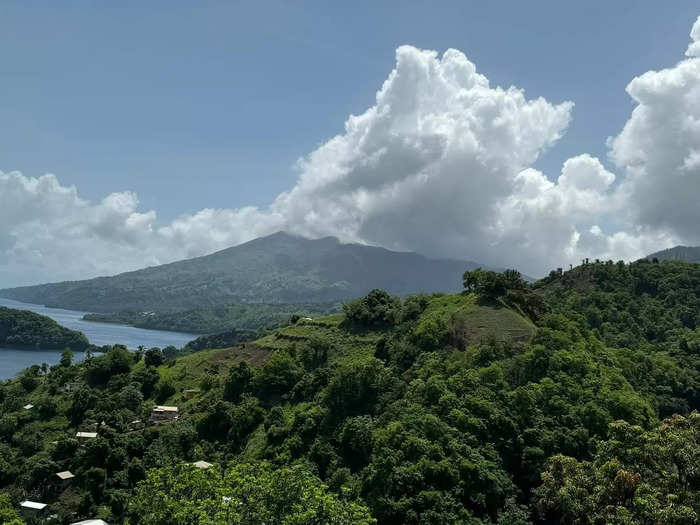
x: 680, y: 253
x: 239, y: 316
x: 279, y: 268
x: 573, y: 400
x: 22, y: 328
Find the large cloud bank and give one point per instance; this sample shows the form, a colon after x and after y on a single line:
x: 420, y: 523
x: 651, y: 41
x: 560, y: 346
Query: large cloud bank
x: 441, y: 164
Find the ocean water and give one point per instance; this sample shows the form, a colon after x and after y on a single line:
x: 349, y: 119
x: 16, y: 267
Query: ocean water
x: 13, y: 360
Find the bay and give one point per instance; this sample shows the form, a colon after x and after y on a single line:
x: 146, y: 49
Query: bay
x: 13, y: 360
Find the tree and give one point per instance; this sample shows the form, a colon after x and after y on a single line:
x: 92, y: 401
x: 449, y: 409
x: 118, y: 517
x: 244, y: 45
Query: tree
x: 355, y: 388
x: 147, y: 378
x: 238, y: 381
x: 170, y: 352
x: 100, y: 370
x: 95, y: 480
x: 513, y: 280
x: 154, y: 357
x: 277, y: 376
x: 66, y: 358
x: 246, y: 494
x: 489, y: 285
x: 131, y: 397
x: 84, y: 399
x: 8, y: 514
x: 164, y: 390
x: 472, y: 279
x: 216, y: 424
x: 376, y: 310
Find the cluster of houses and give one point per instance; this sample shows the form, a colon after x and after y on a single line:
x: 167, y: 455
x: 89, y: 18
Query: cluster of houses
x: 37, y: 510
x: 159, y: 414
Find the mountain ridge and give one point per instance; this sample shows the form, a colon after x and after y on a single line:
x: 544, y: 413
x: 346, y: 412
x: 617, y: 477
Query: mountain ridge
x: 680, y: 253
x: 278, y: 268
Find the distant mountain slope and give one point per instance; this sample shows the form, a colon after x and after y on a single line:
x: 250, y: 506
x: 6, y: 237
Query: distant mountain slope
x: 277, y: 268
x: 680, y: 253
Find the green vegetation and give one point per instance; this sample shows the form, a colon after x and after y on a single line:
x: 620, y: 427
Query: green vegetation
x: 636, y: 476
x: 23, y: 328
x: 251, y: 317
x: 279, y: 268
x: 220, y: 340
x: 573, y: 400
x: 679, y: 253
x: 246, y: 493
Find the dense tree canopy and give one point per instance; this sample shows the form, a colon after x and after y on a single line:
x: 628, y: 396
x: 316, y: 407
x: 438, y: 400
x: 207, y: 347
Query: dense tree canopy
x: 28, y: 329
x: 245, y: 493
x: 571, y: 400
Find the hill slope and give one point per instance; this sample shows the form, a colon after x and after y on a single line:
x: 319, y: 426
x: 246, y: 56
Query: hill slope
x: 28, y: 329
x: 427, y: 409
x: 280, y: 268
x: 452, y: 407
x: 680, y: 253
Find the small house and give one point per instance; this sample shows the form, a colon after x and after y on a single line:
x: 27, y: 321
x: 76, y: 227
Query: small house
x: 202, y: 464
x: 71, y: 387
x: 84, y: 436
x: 28, y: 406
x: 190, y: 393
x: 33, y: 508
x: 90, y: 522
x: 136, y: 424
x: 164, y: 413
x: 66, y: 477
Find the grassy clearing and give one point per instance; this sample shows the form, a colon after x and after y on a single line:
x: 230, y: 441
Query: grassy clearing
x: 329, y: 331
x: 470, y: 323
x: 188, y: 371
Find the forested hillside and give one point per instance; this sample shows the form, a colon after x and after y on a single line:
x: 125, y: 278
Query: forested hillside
x: 679, y: 253
x: 279, y: 268
x: 23, y: 328
x: 570, y: 401
x: 239, y: 316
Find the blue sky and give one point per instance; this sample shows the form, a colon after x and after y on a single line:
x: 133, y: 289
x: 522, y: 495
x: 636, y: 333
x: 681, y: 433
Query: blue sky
x: 211, y: 106
x: 176, y: 129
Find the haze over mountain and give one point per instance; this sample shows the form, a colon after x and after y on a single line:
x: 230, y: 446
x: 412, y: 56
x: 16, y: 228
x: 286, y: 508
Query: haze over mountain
x: 680, y: 253
x: 276, y: 268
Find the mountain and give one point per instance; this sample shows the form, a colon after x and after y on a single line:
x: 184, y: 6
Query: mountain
x: 279, y: 268
x: 680, y: 253
x: 28, y: 329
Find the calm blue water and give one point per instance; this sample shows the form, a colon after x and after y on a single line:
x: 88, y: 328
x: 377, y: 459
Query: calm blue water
x: 12, y: 360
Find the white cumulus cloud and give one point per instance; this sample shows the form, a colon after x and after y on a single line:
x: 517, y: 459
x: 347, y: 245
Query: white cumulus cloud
x: 442, y: 163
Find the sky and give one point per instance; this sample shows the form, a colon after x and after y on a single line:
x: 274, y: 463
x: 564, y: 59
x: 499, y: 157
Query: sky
x: 510, y: 133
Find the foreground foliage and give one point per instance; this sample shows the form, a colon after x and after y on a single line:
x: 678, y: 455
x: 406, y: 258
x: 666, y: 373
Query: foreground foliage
x: 636, y: 476
x: 247, y: 493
